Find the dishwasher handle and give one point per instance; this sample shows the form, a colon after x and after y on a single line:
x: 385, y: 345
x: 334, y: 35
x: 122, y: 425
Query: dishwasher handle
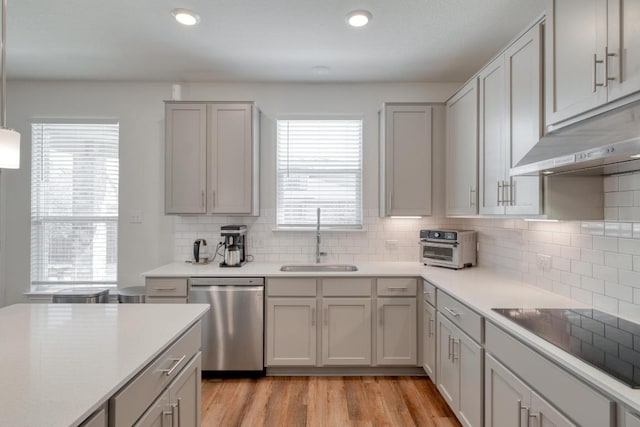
x: 226, y: 281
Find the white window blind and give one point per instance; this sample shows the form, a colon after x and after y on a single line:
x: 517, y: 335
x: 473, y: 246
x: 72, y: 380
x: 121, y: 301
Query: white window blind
x: 319, y: 166
x: 74, y: 204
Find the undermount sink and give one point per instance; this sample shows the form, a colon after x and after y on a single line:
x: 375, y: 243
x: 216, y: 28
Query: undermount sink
x: 319, y: 267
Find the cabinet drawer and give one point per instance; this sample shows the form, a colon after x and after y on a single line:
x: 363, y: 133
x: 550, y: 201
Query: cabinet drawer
x: 291, y: 287
x: 429, y: 292
x: 165, y: 300
x: 461, y: 315
x: 397, y: 286
x: 134, y: 398
x: 166, y: 287
x: 576, y: 399
x: 346, y: 287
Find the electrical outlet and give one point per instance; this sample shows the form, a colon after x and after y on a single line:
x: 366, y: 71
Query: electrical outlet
x: 391, y: 244
x: 135, y: 217
x: 543, y: 262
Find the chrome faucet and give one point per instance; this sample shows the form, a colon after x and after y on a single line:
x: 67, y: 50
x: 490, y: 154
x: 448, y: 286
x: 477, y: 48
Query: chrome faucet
x: 318, y: 253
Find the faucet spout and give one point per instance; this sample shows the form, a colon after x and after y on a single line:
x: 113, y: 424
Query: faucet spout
x: 318, y: 253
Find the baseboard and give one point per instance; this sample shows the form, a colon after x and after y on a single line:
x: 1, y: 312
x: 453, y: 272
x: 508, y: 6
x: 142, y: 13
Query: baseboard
x: 345, y: 371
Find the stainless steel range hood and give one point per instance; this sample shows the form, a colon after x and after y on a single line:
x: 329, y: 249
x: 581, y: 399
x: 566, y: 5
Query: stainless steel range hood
x: 603, y: 145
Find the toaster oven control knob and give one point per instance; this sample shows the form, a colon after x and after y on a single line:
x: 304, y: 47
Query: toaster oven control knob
x: 436, y: 235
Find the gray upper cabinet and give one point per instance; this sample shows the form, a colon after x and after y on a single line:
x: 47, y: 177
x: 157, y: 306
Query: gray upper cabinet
x: 405, y: 159
x: 510, y: 125
x: 185, y: 158
x: 592, y: 55
x: 462, y: 151
x: 212, y: 158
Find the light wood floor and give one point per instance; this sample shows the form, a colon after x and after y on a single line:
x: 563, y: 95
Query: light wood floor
x: 324, y: 401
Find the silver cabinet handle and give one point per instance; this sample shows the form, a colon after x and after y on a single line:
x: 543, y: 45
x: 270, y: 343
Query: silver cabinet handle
x: 512, y: 193
x: 202, y: 196
x: 165, y: 289
x: 176, y: 362
x: 506, y: 200
x: 607, y: 55
x: 432, y: 329
x: 453, y: 313
x: 534, y: 416
x: 520, y: 409
x: 165, y: 414
x: 398, y: 288
x: 313, y: 316
x: 177, y: 407
x: 455, y: 357
x: 326, y: 317
x: 471, y: 191
x: 450, y: 351
x: 596, y: 61
x: 499, y: 190
x: 381, y: 315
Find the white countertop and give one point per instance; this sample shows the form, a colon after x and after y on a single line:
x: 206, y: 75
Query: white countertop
x: 60, y: 362
x: 479, y: 288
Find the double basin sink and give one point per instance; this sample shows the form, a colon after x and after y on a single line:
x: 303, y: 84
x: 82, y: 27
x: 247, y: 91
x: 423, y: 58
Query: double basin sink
x: 319, y: 267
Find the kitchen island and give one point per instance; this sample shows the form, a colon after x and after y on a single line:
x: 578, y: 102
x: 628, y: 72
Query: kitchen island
x: 62, y: 362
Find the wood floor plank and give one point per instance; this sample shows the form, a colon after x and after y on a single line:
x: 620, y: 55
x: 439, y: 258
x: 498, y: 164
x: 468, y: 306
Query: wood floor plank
x: 324, y: 401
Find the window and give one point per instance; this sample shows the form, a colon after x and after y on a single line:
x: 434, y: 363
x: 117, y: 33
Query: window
x: 74, y: 204
x: 319, y: 166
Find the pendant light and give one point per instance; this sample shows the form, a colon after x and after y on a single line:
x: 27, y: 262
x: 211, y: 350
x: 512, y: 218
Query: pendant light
x: 9, y: 138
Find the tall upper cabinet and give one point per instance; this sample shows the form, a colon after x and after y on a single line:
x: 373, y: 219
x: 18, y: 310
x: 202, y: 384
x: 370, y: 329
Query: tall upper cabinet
x: 212, y: 158
x: 593, y: 55
x: 510, y: 125
x: 462, y: 151
x: 405, y: 159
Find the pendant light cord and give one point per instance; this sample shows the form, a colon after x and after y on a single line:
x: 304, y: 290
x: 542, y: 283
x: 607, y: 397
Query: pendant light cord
x: 3, y: 100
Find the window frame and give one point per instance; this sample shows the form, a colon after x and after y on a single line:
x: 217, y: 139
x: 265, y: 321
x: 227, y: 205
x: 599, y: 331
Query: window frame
x: 108, y: 220
x: 312, y: 227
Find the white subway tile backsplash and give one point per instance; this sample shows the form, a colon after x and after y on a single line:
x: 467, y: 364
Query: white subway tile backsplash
x: 581, y: 295
x: 629, y: 278
x: 582, y: 268
x: 619, y: 292
x: 593, y: 285
x: 609, y: 244
x: 592, y: 228
x: 605, y: 303
x: 571, y: 253
x: 629, y: 246
x: 610, y: 214
x: 582, y: 241
x: 628, y: 182
x: 592, y: 256
x: 611, y: 183
x: 609, y: 274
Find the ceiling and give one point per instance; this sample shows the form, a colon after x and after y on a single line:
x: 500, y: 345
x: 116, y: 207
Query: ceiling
x: 259, y: 40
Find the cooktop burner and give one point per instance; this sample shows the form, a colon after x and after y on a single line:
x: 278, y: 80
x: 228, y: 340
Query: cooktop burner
x: 600, y: 339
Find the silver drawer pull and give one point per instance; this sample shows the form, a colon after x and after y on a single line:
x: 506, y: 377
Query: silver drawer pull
x: 432, y: 329
x: 398, y: 288
x: 165, y: 289
x: 455, y: 356
x: 451, y: 312
x: 176, y: 363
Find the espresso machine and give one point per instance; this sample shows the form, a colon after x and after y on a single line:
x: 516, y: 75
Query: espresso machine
x: 235, y: 248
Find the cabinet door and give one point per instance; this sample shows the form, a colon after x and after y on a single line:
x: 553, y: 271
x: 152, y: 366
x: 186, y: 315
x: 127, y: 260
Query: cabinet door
x: 159, y: 413
x: 407, y: 163
x: 546, y: 415
x: 185, y: 158
x: 429, y: 340
x: 506, y: 397
x: 624, y: 44
x: 576, y: 33
x: 492, y: 138
x: 185, y: 394
x: 468, y: 355
x: 291, y: 331
x: 346, y: 331
x: 462, y: 151
x: 448, y: 377
x: 397, y: 331
x: 230, y: 158
x: 523, y: 62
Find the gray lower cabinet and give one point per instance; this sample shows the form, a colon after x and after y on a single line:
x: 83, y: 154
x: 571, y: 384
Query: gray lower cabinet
x: 97, y: 419
x: 166, y: 290
x: 396, y: 331
x: 459, y: 376
x: 429, y: 343
x: 179, y: 405
x: 510, y: 402
x: 291, y: 331
x: 346, y: 331
x: 167, y: 392
x: 521, y: 370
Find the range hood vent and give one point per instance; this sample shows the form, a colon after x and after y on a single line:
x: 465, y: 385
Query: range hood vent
x: 606, y: 144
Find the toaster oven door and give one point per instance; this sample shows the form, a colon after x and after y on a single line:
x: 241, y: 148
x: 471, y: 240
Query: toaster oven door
x: 445, y: 254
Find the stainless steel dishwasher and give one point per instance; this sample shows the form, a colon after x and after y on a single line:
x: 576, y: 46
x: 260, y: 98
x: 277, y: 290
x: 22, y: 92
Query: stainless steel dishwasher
x: 233, y: 329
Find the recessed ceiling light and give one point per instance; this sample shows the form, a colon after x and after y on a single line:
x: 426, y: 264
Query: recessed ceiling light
x: 185, y: 16
x: 358, y: 18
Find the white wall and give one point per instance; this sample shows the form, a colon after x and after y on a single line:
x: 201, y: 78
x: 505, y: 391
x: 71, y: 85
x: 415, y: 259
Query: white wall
x: 140, y: 110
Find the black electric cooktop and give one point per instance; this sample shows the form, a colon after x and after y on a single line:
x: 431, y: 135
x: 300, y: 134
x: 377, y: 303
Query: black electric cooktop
x: 603, y: 340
